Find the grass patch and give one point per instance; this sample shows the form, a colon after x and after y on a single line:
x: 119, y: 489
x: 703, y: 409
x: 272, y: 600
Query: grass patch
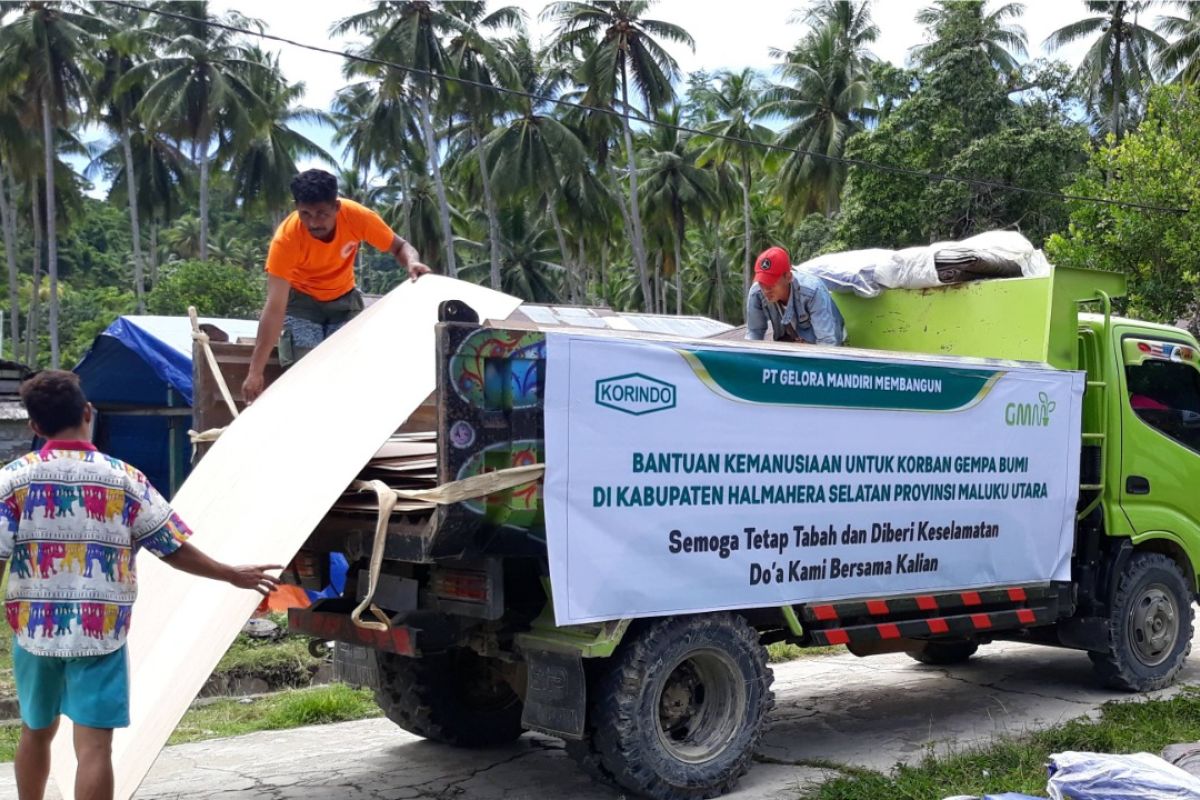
x: 1019, y: 764
x: 283, y: 663
x: 320, y: 705
x: 779, y: 652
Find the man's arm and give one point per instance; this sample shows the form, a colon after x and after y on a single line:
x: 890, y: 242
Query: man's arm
x: 821, y: 317
x: 407, y: 257
x: 756, y: 317
x: 192, y: 560
x: 270, y: 325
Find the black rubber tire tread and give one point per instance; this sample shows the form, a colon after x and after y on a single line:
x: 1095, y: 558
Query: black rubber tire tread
x: 426, y: 696
x: 944, y: 654
x: 1118, y: 667
x: 621, y: 745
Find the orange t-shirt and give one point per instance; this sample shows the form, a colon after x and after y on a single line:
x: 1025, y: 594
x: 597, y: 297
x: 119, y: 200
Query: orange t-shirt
x: 325, y: 270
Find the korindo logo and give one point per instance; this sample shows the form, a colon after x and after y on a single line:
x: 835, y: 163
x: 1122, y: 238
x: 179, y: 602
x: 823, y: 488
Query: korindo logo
x: 1030, y: 415
x: 635, y: 394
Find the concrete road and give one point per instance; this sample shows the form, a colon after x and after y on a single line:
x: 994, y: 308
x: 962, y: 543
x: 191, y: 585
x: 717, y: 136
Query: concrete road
x: 830, y: 710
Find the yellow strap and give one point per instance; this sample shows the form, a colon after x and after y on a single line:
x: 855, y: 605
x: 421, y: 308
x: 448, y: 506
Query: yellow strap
x: 446, y: 494
x: 202, y: 337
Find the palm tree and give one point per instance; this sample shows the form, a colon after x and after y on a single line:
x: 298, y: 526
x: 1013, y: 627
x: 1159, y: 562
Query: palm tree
x: 164, y: 176
x: 736, y: 98
x: 624, y: 46
x: 676, y: 188
x: 967, y: 25
x: 50, y: 47
x: 532, y: 154
x: 263, y: 155
x: 1180, y: 59
x: 1118, y: 68
x: 826, y: 94
x: 199, y: 88
x: 410, y: 32
x: 527, y: 257
x: 122, y: 50
x: 479, y: 60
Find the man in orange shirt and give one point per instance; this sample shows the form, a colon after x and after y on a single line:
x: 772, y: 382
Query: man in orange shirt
x: 310, y: 272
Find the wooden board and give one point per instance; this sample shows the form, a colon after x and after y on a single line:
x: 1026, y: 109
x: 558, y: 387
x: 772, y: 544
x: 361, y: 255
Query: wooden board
x: 260, y: 491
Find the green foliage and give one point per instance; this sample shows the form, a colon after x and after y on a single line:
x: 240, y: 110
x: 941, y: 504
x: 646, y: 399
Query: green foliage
x: 216, y: 290
x: 961, y: 122
x: 1158, y: 251
x: 85, y: 315
x: 1019, y: 764
x: 320, y: 705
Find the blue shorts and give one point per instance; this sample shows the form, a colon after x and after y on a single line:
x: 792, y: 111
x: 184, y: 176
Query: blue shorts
x: 91, y: 690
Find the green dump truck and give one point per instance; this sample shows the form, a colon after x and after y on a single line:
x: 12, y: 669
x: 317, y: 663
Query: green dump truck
x: 669, y: 700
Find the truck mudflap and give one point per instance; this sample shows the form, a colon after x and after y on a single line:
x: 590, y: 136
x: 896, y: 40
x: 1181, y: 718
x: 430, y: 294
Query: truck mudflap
x: 954, y: 614
x: 556, y: 694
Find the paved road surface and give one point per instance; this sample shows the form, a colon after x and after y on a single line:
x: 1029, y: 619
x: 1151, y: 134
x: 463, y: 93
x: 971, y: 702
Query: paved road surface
x: 869, y: 712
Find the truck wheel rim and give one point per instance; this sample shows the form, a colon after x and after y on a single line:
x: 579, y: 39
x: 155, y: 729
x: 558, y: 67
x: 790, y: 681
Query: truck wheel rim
x: 701, y: 706
x: 1153, y: 625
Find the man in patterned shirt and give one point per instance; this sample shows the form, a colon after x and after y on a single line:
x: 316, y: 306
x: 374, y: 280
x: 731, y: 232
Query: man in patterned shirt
x: 71, y: 521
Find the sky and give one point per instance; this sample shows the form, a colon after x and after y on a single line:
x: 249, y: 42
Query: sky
x: 724, y: 40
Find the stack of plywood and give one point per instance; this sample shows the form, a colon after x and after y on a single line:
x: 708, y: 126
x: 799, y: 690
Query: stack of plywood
x: 407, y: 461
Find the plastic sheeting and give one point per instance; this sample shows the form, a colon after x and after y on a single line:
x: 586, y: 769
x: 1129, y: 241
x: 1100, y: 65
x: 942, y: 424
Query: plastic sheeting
x: 1100, y: 776
x: 138, y: 358
x: 851, y: 271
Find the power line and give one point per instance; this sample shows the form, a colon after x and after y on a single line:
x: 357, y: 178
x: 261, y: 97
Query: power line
x: 933, y: 177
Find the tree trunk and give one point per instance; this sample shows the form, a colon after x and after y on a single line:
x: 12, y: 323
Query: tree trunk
x: 32, y: 323
x: 584, y: 274
x: 139, y: 274
x: 489, y: 204
x: 406, y: 206
x: 8, y: 220
x: 204, y: 199
x: 748, y: 268
x: 1116, y: 82
x: 618, y: 195
x: 153, y: 251
x: 635, y: 213
x: 51, y: 228
x: 439, y: 186
x: 678, y: 273
x: 719, y: 270
x: 552, y: 212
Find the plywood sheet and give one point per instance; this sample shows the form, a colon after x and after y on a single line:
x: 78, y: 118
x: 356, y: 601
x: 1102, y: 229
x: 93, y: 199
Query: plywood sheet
x: 261, y: 490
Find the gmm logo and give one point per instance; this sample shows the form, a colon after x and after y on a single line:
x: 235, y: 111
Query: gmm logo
x: 1030, y: 415
x: 635, y: 394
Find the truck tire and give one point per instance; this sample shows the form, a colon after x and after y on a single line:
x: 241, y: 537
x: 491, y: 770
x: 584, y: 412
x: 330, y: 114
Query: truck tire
x: 678, y: 712
x: 944, y: 653
x: 457, y: 698
x: 1149, y: 626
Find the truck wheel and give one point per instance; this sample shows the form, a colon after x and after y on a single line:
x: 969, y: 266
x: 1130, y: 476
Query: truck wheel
x: 457, y: 698
x: 1149, y: 626
x: 942, y: 654
x: 679, y: 710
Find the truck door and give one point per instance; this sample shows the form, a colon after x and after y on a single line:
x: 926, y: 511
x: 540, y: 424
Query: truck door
x: 1160, y: 435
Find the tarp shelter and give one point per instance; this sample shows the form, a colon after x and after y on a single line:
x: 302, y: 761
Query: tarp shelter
x: 138, y: 375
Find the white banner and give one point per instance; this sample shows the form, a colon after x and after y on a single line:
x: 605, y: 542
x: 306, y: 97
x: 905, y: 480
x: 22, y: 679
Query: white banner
x: 683, y: 479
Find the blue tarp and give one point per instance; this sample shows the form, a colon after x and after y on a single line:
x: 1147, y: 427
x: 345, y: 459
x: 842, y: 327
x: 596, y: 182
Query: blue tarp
x: 145, y: 362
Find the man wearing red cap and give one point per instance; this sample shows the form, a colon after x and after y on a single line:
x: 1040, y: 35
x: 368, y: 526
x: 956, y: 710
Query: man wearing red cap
x: 797, y: 304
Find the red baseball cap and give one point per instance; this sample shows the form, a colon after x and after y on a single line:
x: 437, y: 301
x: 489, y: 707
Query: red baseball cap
x: 771, y: 265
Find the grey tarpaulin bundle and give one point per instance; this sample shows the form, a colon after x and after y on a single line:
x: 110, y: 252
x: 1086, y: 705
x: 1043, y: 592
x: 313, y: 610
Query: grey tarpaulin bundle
x: 1106, y: 776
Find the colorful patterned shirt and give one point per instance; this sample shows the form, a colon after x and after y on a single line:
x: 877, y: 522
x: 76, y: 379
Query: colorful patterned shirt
x: 72, y: 520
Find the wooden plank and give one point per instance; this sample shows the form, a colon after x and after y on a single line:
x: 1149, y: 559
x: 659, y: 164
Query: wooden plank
x: 256, y: 496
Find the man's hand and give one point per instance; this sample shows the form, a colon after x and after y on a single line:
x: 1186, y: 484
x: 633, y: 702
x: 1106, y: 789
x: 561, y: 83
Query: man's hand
x: 254, y: 577
x: 416, y: 269
x: 253, y: 386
